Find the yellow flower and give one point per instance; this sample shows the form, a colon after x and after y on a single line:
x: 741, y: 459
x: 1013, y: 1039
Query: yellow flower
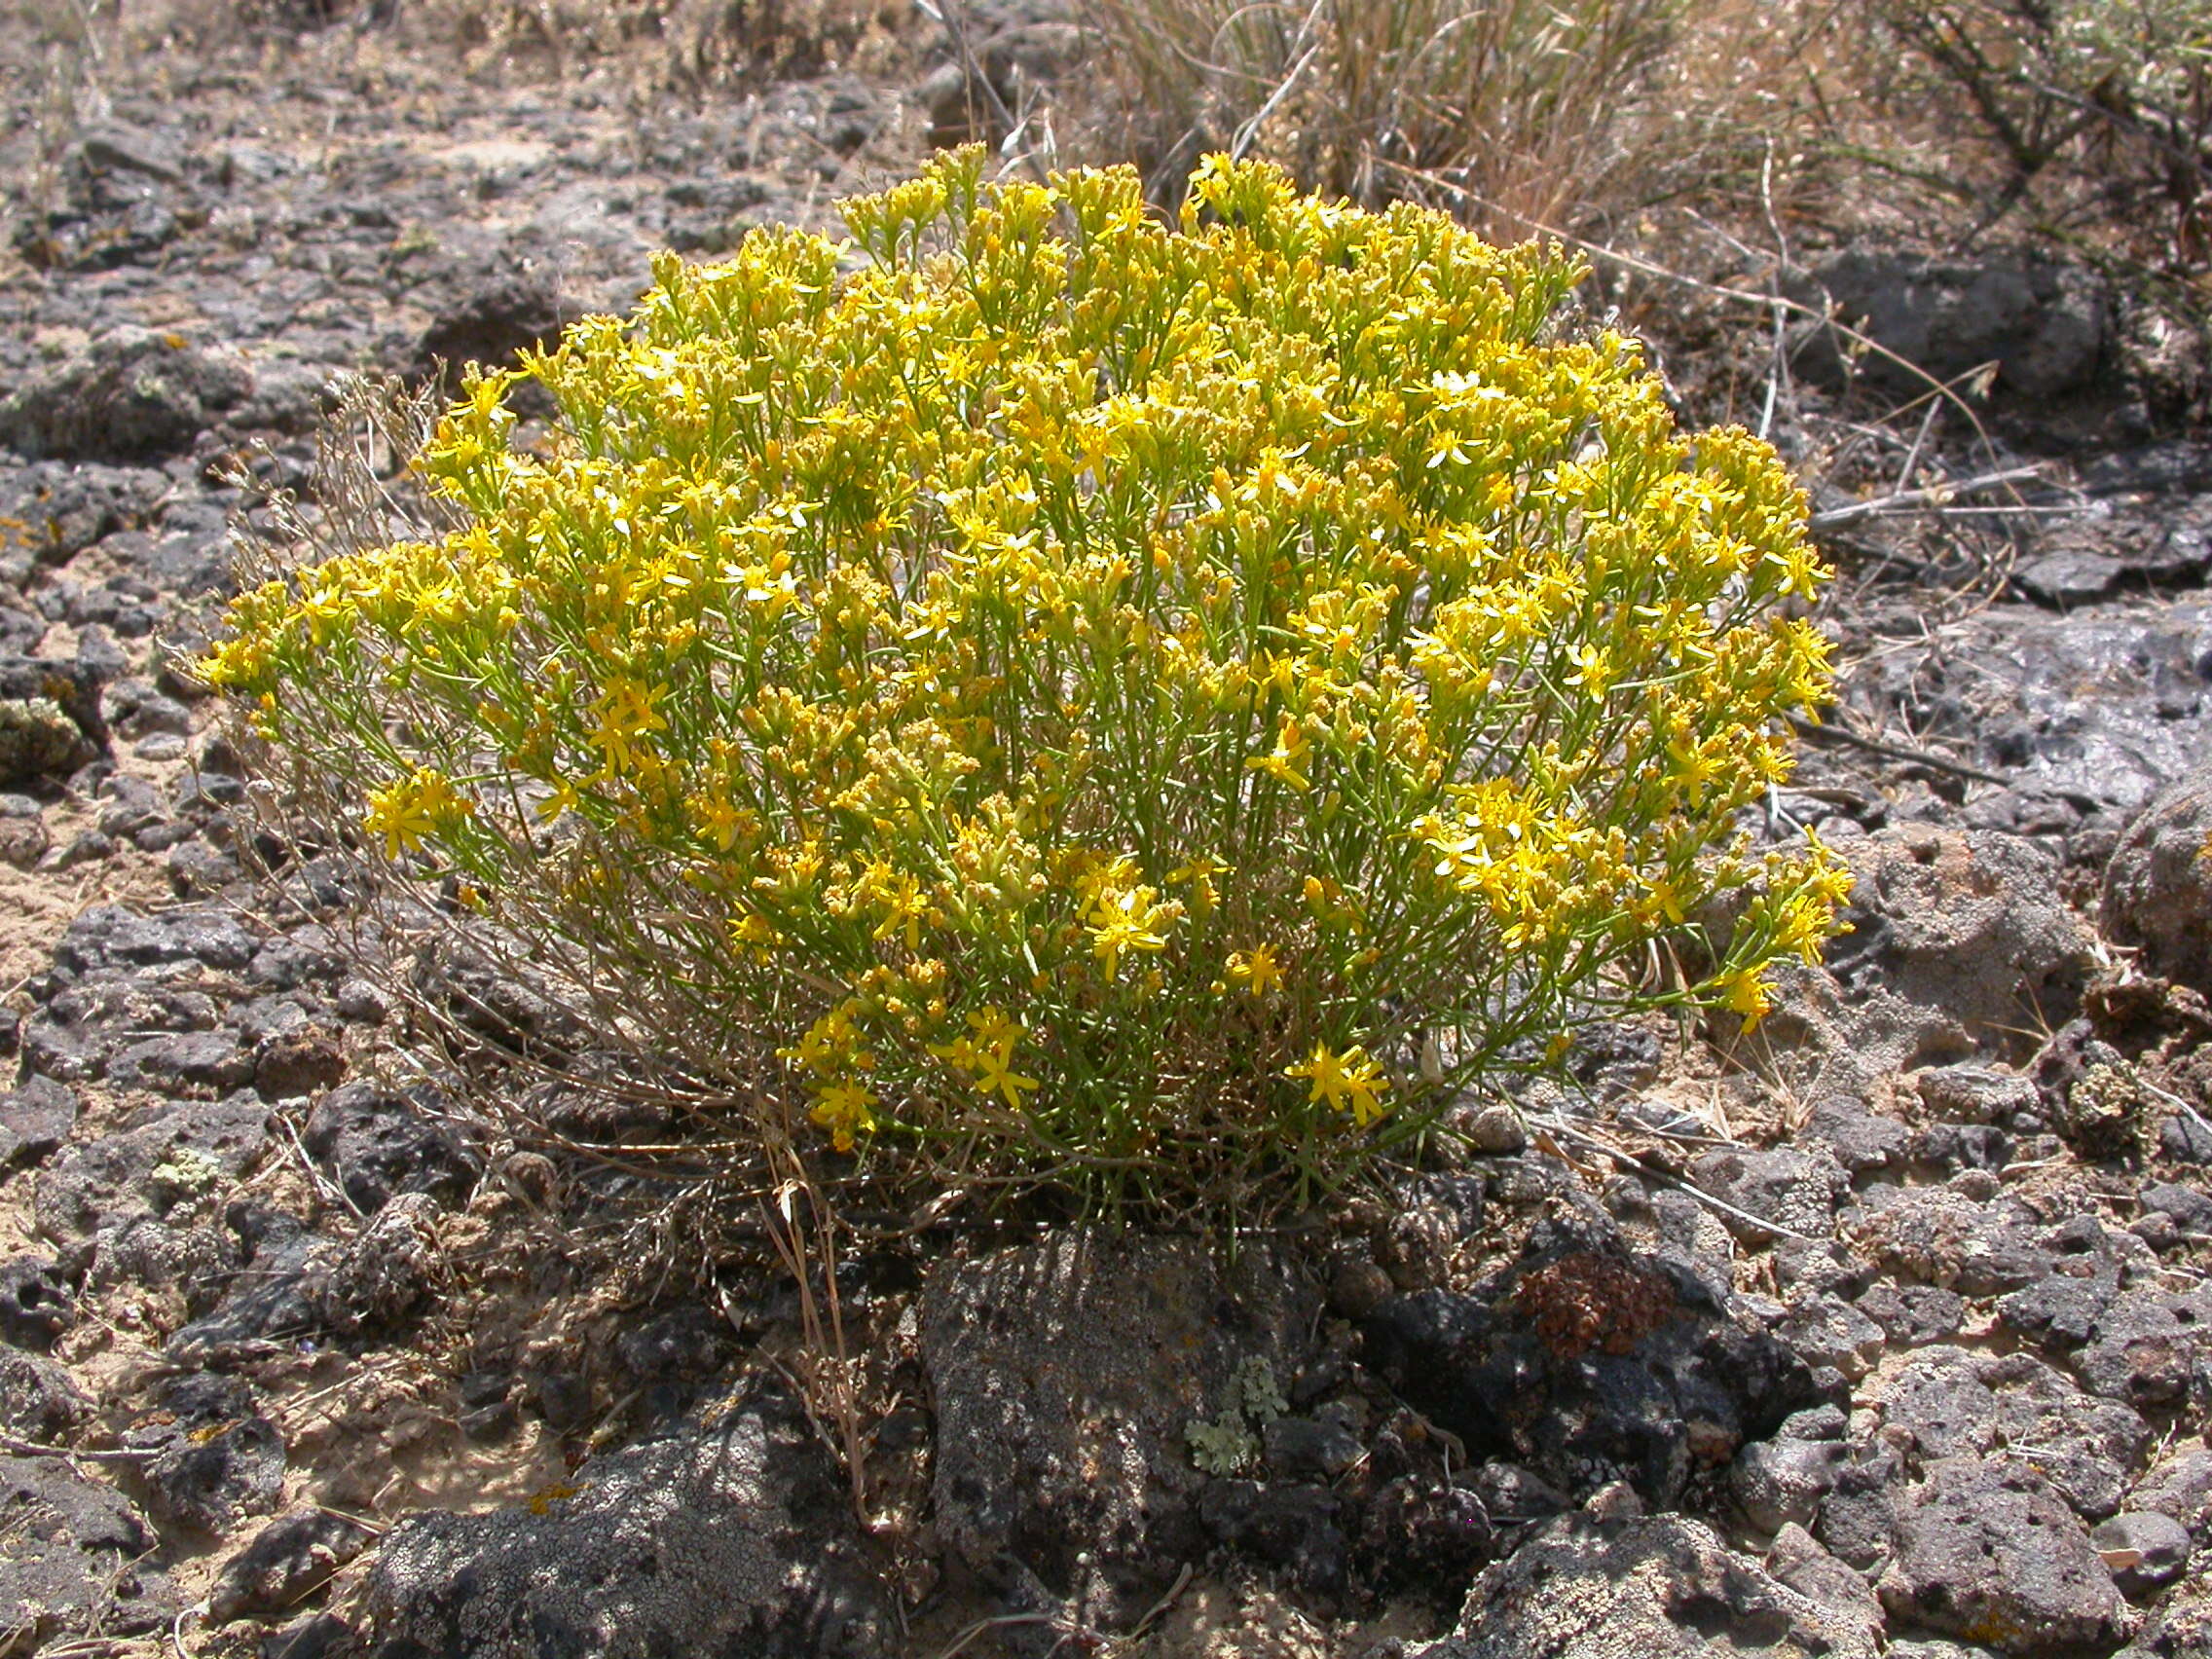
x: 1349, y: 1081
x: 1255, y: 971
x: 1132, y: 919
x: 1744, y: 992
x: 987, y: 1056
x: 1290, y: 761
x: 626, y: 710
x: 845, y: 1109
x: 416, y: 807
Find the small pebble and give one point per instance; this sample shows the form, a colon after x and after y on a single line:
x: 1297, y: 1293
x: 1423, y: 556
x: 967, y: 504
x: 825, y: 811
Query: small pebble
x: 1498, y: 1131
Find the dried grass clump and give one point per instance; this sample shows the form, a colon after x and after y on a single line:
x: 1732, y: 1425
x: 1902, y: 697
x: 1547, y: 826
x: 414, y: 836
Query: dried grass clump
x: 1516, y: 113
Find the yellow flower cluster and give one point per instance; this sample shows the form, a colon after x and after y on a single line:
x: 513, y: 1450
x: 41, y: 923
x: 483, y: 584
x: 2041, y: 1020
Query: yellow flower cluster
x: 1126, y: 695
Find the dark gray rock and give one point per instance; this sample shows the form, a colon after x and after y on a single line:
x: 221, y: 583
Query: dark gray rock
x: 1658, y: 1587
x: 1783, y: 1481
x: 71, y: 1564
x: 194, y: 1257
x: 184, y: 1062
x: 1855, y: 1520
x: 2060, y: 1310
x: 384, y: 1275
x: 508, y: 314
x: 1975, y: 1095
x: 38, y: 1399
x: 276, y: 1300
x: 1936, y: 1237
x: 2151, y: 1349
x: 1958, y: 942
x: 36, y: 1117
x: 690, y: 1340
x: 1988, y: 1552
x: 2160, y: 1547
x: 1286, y: 1525
x: 2068, y: 577
x: 2181, y: 1486
x: 1797, y: 1560
x: 94, y: 1186
x: 107, y: 935
x: 286, y: 1558
x: 132, y: 392
x: 2157, y: 889
x: 1947, y: 1402
x: 1861, y: 1142
x: 377, y: 1142
x: 35, y: 1305
x: 2189, y: 1207
x: 1914, y: 1316
x: 2099, y: 706
x: 2043, y: 323
x: 1092, y: 1351
x: 1824, y: 1330
x: 213, y: 1458
x: 63, y: 510
x: 1320, y: 1447
x: 1591, y: 1366
x: 311, y: 1635
x: 1798, y: 1190
x: 2181, y: 1626
x: 732, y: 1538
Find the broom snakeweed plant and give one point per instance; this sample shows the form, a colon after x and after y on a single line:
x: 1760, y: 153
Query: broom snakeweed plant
x: 1041, y: 690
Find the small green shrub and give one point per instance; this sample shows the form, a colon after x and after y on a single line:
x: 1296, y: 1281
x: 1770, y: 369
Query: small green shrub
x: 1166, y: 705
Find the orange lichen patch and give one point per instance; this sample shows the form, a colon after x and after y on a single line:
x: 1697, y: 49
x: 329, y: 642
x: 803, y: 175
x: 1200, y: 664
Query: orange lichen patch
x: 1587, y: 1300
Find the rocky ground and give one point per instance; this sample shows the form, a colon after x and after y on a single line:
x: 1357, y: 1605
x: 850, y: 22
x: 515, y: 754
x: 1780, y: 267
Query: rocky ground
x: 1885, y: 1329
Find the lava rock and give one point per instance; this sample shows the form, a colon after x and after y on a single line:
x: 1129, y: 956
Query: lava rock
x: 213, y: 1460
x: 35, y: 1305
x: 1934, y: 1235
x: 2043, y: 323
x: 1990, y: 1553
x: 1658, y: 1587
x: 1782, y: 1481
x: 2181, y: 1486
x: 36, y: 1117
x: 1947, y: 1402
x: 504, y: 316
x: 380, y: 1142
x: 1957, y: 940
x: 2157, y: 888
x: 1913, y: 1316
x: 2151, y: 1349
x: 1797, y: 1190
x: 107, y: 935
x: 2160, y: 1547
x: 386, y: 1272
x: 278, y: 1300
x: 38, y: 1399
x: 690, y: 1340
x: 132, y: 392
x: 71, y: 1564
x: 1590, y: 1366
x: 732, y: 1537
x: 1288, y: 1526
x: 102, y: 1184
x: 1975, y: 1095
x: 1090, y: 1351
x: 288, y: 1558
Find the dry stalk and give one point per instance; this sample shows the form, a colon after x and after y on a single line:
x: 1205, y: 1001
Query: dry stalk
x: 803, y: 1228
